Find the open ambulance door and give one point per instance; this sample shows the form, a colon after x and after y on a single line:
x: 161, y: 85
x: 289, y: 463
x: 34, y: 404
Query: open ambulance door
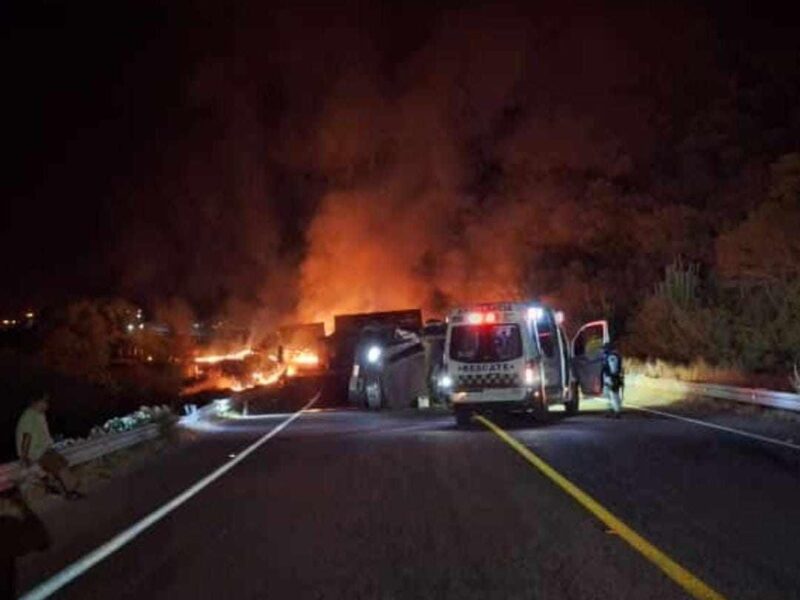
x: 587, y: 356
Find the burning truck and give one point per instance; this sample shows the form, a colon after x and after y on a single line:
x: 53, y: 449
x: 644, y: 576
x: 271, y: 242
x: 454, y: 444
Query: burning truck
x: 371, y: 358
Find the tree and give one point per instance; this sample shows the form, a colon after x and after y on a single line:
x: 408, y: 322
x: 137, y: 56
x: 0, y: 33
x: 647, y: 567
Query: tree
x: 80, y: 338
x: 765, y: 248
x: 179, y: 317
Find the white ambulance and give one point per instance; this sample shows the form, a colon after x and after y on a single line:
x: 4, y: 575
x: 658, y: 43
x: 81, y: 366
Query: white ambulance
x: 514, y: 356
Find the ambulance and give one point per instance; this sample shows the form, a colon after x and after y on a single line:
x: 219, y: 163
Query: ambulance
x: 514, y: 356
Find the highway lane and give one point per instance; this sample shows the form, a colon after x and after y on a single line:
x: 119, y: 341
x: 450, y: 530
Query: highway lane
x: 390, y: 505
x: 722, y: 505
x: 78, y: 527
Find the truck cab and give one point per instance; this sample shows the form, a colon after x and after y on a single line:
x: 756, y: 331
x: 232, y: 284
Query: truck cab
x: 384, y: 353
x: 514, y: 356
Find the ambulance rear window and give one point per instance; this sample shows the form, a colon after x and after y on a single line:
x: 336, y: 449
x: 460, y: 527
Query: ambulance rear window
x: 485, y: 343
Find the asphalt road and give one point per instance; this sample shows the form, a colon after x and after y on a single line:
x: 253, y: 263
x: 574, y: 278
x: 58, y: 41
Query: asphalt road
x: 349, y: 504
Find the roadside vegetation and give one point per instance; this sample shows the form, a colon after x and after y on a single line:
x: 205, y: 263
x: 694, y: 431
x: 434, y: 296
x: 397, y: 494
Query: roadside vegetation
x: 734, y: 318
x: 95, y: 363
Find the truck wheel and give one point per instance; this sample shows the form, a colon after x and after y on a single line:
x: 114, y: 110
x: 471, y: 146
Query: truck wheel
x: 374, y: 394
x: 463, y: 417
x: 572, y: 405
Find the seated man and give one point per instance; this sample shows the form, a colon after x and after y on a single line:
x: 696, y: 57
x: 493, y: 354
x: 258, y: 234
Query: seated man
x: 35, y: 446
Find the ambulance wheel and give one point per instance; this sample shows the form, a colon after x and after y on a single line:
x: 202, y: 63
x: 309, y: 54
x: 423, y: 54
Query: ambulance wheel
x: 463, y: 417
x: 541, y: 411
x: 572, y: 405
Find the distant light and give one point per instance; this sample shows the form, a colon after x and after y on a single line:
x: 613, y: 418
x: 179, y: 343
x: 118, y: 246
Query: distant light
x: 559, y: 317
x: 29, y: 315
x: 141, y: 325
x: 490, y: 317
x: 373, y: 354
x: 445, y: 382
x: 130, y: 327
x: 149, y: 358
x: 535, y: 313
x: 356, y: 369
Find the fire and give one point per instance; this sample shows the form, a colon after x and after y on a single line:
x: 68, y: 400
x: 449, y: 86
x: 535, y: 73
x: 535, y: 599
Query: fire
x: 212, y: 359
x: 234, y: 371
x: 260, y: 379
x: 297, y: 360
x: 304, y: 357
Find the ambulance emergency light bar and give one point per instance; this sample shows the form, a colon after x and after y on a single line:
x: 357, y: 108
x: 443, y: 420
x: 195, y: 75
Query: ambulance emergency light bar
x: 479, y: 318
x: 489, y: 317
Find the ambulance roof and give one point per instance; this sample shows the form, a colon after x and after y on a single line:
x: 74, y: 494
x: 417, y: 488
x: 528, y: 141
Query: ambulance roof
x: 519, y: 310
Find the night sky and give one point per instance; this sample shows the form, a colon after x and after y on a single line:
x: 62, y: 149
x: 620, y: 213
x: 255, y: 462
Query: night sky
x: 235, y: 157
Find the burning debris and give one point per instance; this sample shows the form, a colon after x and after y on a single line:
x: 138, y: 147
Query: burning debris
x: 239, y: 370
x: 212, y: 359
x: 300, y: 347
x: 293, y: 351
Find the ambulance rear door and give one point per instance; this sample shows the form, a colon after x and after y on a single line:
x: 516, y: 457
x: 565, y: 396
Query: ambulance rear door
x: 587, y: 356
x: 549, y: 347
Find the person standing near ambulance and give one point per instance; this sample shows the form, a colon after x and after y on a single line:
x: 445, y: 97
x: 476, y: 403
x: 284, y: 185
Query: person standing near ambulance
x: 613, y: 377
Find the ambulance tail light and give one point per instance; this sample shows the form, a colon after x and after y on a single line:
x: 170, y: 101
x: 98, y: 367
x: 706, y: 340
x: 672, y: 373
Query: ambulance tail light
x: 532, y: 378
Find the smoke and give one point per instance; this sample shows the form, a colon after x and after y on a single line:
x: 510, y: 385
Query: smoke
x: 441, y: 185
x: 325, y: 163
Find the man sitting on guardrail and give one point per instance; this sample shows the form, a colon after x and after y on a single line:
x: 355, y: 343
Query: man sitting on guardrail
x: 35, y: 447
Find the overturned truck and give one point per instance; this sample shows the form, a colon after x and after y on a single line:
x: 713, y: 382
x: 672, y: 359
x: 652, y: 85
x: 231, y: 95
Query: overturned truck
x: 379, y: 358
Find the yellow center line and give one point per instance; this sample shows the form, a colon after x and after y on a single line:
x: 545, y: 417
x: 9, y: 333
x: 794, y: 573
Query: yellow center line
x: 689, y: 582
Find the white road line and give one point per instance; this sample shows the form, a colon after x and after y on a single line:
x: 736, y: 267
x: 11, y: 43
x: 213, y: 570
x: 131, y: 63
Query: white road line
x: 76, y: 569
x: 754, y: 436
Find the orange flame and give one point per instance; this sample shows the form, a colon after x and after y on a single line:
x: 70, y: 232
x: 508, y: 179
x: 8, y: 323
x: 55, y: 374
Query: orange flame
x: 212, y: 359
x: 305, y: 358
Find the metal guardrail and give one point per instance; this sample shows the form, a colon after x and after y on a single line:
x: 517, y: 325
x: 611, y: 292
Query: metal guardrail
x: 761, y: 397
x: 84, y: 451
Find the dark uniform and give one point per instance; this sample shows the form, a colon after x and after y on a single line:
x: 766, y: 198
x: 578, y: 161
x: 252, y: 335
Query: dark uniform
x: 613, y: 379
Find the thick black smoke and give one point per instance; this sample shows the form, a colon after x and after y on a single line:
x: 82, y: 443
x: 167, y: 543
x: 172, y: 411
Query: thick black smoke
x: 265, y: 164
